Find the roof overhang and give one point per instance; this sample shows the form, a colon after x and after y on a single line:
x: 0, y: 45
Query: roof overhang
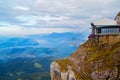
x: 107, y: 26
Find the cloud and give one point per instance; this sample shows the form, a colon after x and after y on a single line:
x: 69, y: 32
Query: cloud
x: 21, y: 8
x: 21, y: 31
x: 52, y: 14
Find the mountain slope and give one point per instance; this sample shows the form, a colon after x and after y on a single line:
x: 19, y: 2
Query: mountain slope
x: 92, y: 61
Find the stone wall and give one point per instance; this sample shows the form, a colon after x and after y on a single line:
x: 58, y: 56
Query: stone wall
x: 109, y: 39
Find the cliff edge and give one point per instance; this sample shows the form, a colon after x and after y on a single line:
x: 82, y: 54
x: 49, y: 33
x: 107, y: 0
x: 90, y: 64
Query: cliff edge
x: 94, y: 60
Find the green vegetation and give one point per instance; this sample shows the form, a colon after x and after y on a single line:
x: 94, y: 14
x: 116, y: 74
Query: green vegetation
x: 26, y: 69
x: 19, y: 79
x: 105, y: 54
x: 37, y: 65
x: 64, y: 64
x: 100, y: 57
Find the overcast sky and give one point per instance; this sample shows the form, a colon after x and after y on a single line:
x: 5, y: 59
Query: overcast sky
x: 23, y: 17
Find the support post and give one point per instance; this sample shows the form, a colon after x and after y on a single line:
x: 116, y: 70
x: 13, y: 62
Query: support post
x: 93, y: 29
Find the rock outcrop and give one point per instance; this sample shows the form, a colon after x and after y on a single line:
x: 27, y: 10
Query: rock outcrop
x: 94, y: 60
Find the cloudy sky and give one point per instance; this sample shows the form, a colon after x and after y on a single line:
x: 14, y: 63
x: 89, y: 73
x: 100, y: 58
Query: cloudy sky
x: 23, y: 17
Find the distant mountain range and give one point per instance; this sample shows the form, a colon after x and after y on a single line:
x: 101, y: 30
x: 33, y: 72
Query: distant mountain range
x: 20, y: 42
x: 54, y: 44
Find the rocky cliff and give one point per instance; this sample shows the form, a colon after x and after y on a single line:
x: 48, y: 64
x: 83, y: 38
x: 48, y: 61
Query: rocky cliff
x: 94, y: 60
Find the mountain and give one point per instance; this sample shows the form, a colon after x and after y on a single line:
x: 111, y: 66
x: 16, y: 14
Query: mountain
x: 96, y: 59
x: 14, y: 42
x: 63, y: 44
x: 54, y: 44
x: 58, y: 38
x: 29, y: 57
